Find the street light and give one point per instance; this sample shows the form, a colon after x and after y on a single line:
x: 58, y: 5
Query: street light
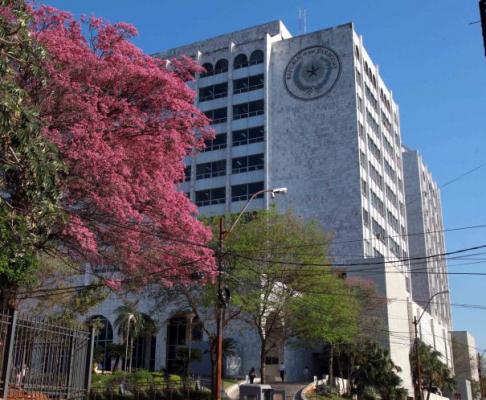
x: 416, y: 322
x: 223, y: 295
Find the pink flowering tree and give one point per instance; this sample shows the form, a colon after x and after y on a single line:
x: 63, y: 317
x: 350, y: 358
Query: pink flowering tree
x: 122, y: 122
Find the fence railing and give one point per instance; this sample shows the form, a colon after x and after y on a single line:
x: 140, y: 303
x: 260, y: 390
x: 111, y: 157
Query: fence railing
x: 43, y: 360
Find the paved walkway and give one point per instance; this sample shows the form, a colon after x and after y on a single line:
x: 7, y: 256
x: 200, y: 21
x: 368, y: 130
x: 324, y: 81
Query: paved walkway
x: 291, y: 390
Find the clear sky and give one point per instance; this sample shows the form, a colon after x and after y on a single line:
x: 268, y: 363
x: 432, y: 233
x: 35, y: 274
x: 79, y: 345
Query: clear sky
x: 429, y: 55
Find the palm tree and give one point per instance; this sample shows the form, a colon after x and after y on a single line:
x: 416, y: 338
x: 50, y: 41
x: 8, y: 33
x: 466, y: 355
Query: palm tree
x: 130, y: 323
x: 118, y: 351
x: 434, y: 372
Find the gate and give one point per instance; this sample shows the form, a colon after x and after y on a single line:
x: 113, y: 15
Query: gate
x: 43, y: 360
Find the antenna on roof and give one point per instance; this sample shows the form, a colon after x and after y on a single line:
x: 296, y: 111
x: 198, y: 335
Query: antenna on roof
x: 302, y: 21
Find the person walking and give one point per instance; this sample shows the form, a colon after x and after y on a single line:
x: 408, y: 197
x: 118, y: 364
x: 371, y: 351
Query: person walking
x: 306, y: 374
x: 282, y: 371
x: 252, y: 375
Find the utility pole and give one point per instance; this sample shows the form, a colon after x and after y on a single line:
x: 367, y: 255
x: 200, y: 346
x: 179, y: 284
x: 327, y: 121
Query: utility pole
x: 223, y: 293
x: 480, y: 377
x: 417, y: 355
x: 219, y: 315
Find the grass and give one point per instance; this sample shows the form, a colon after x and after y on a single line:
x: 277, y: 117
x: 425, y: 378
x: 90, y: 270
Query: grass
x: 229, y: 382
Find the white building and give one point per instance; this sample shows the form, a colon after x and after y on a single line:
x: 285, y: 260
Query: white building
x: 310, y: 113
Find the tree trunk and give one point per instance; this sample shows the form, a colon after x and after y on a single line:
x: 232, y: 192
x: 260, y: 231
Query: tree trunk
x: 130, y: 355
x: 263, y: 366
x: 429, y: 390
x: 331, y: 365
x: 8, y: 300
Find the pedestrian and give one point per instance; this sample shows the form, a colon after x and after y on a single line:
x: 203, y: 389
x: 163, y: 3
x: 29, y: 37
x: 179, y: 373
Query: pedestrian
x: 306, y: 374
x: 252, y: 375
x: 282, y: 371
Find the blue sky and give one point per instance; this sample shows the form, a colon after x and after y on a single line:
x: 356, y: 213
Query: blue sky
x: 429, y: 55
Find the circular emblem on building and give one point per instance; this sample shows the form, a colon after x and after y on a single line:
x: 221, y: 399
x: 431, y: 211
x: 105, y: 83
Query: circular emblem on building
x: 312, y: 73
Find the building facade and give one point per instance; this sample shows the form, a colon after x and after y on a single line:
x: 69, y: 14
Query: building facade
x: 310, y: 113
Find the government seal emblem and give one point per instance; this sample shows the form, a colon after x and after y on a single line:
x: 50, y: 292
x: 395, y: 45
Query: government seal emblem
x: 312, y: 73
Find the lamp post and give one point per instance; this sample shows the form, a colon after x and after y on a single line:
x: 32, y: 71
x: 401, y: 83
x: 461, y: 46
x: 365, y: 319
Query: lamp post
x: 222, y: 293
x: 417, y: 355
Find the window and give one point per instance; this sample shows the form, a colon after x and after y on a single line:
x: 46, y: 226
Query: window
x: 377, y: 203
x: 366, y: 217
x: 218, y: 143
x: 197, y: 331
x: 393, y: 221
x: 247, y: 136
x: 362, y: 159
x: 361, y: 130
x: 394, y: 247
x: 245, y: 191
x: 371, y: 98
x: 356, y: 52
x: 392, y: 197
x: 217, y: 116
x: 271, y: 360
x: 372, y: 122
x: 213, y: 92
x: 360, y: 103
x: 210, y: 196
x: 248, y: 84
x: 187, y: 172
x: 375, y: 175
x: 378, y: 230
x: 374, y: 148
x: 390, y: 171
x: 247, y: 163
x: 208, y: 70
x: 241, y: 61
x: 364, y: 188
x: 221, y: 66
x: 358, y: 77
x: 211, y: 169
x: 256, y: 57
x: 246, y: 110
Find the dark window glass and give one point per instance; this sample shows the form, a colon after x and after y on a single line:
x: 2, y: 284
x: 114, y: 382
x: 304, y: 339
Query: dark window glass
x: 247, y: 136
x: 103, y: 338
x: 221, y: 66
x: 187, y: 172
x: 210, y: 196
x: 247, y: 163
x: 240, y: 61
x: 250, y: 109
x: 245, y: 191
x: 219, y: 142
x: 256, y: 57
x: 217, y: 116
x: 248, y: 84
x: 209, y: 70
x: 213, y: 92
x: 211, y: 170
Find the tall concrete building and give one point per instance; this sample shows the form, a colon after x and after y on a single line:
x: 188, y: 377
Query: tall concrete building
x: 426, y: 237
x: 310, y: 113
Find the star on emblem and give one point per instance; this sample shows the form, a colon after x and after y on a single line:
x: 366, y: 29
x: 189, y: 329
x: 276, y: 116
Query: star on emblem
x: 313, y: 70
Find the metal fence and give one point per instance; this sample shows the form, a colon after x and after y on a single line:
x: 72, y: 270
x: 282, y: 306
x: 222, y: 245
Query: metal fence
x: 43, y: 360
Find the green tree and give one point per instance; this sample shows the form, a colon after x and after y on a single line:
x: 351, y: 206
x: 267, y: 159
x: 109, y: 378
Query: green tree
x: 372, y: 368
x: 30, y: 168
x: 282, y: 286
x: 131, y: 324
x: 186, y: 355
x: 434, y: 372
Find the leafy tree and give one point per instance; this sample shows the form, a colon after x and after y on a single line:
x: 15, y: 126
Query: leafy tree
x: 372, y: 368
x: 116, y: 350
x: 282, y: 287
x: 122, y: 122
x: 183, y: 354
x: 434, y: 372
x: 131, y: 324
x: 30, y: 168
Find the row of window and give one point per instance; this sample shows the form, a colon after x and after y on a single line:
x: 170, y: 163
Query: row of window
x: 238, y: 193
x: 240, y: 138
x: 239, y: 165
x: 240, y: 61
x: 380, y: 233
x: 371, y: 98
x: 245, y: 110
x: 220, y: 90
